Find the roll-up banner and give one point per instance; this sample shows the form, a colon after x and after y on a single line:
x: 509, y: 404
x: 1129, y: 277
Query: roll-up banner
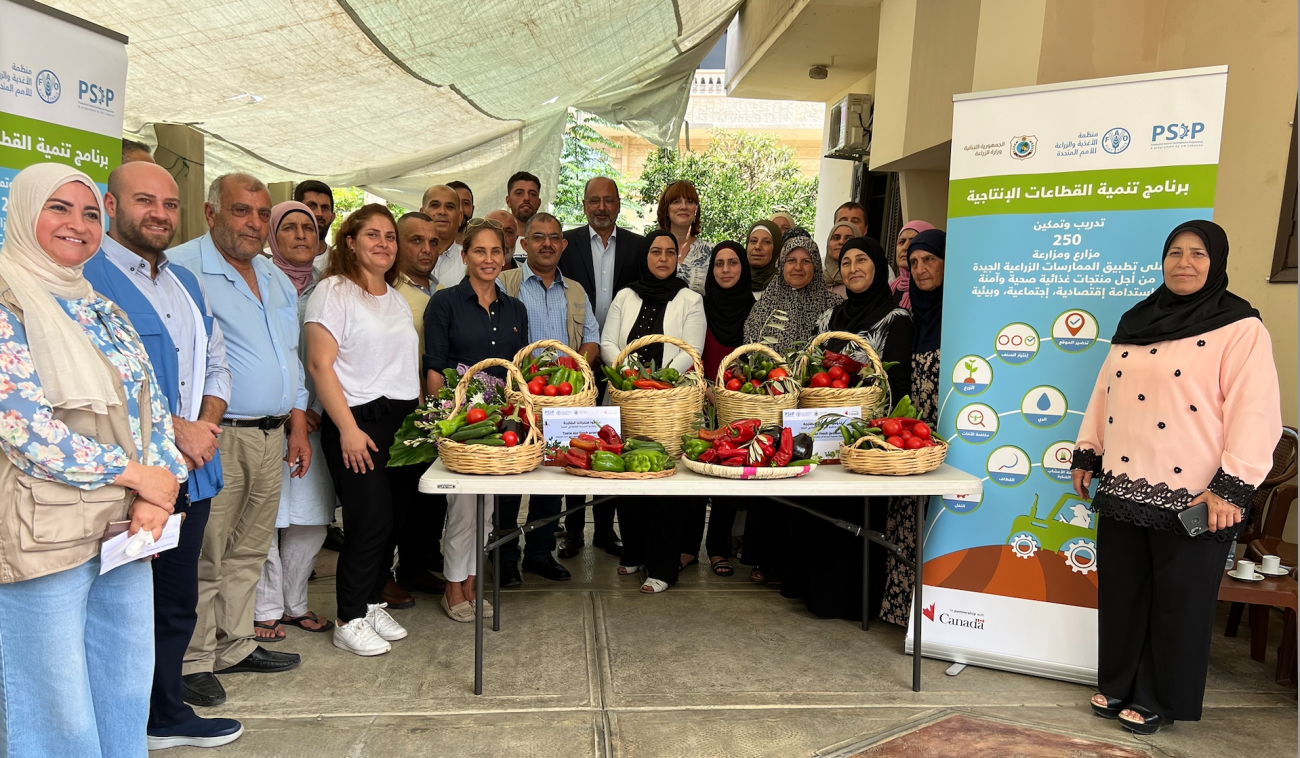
x: 62, y: 87
x: 1060, y: 198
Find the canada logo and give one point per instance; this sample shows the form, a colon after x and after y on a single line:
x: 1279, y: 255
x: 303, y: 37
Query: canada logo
x: 928, y: 612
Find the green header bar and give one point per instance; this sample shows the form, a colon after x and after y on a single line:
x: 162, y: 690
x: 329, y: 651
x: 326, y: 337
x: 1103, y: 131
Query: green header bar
x: 26, y: 141
x: 1129, y: 189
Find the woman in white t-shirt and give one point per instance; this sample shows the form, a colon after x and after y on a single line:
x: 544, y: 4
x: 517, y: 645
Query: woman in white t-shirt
x: 363, y: 357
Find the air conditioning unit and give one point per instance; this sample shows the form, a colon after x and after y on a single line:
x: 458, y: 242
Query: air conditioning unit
x: 850, y: 136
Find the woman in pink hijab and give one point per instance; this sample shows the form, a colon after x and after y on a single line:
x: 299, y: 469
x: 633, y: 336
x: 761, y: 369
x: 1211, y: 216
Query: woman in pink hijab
x: 901, y: 284
x: 293, y: 247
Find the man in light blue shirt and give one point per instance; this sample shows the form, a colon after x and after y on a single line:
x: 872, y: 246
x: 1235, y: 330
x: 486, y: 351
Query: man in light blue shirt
x: 257, y: 308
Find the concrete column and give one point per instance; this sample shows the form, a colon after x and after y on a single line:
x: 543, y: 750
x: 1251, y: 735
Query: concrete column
x: 925, y: 196
x: 180, y: 151
x: 280, y: 192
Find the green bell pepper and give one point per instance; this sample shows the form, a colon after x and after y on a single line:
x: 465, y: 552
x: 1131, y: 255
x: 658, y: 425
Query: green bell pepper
x: 450, y: 426
x: 603, y: 460
x: 693, y: 447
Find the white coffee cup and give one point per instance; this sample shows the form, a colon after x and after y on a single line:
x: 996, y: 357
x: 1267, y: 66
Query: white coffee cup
x: 1246, y: 569
x: 1271, y: 564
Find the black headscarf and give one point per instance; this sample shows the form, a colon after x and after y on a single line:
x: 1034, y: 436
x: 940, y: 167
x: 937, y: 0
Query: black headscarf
x: 763, y: 274
x: 927, y: 307
x: 1165, y: 316
x: 861, y: 310
x: 727, y: 309
x: 649, y: 287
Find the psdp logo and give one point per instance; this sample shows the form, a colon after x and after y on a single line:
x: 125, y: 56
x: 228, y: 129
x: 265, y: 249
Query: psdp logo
x: 95, y: 94
x: 1177, y: 131
x: 47, y: 86
x: 1116, y: 140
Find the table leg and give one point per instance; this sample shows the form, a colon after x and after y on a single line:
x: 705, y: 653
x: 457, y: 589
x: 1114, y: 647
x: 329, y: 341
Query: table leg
x: 1286, y: 653
x: 478, y: 597
x: 866, y: 564
x: 496, y: 574
x: 1259, y: 618
x: 917, y: 595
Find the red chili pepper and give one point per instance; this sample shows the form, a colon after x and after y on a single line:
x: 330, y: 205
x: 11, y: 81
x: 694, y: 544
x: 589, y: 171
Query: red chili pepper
x: 566, y: 361
x: 589, y: 437
x: 830, y: 359
x: 732, y: 457
x: 711, y: 435
x: 616, y: 447
x: 579, y: 443
x: 783, y: 453
x: 651, y: 384
x: 608, y: 434
x: 578, y: 459
x: 743, y: 431
x: 708, y: 456
x: 723, y: 445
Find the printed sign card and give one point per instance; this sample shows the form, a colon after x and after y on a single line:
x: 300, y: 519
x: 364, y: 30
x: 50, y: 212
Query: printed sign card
x: 559, y: 425
x: 826, y: 443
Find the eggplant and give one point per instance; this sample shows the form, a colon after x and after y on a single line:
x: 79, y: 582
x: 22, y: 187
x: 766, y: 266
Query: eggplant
x: 803, y: 447
x: 514, y: 425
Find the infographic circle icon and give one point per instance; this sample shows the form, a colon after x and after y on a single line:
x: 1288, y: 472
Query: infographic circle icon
x: 1008, y: 466
x: 1074, y: 331
x: 971, y: 375
x: 1056, y: 461
x: 960, y: 505
x: 1043, y: 406
x: 1016, y: 343
x: 977, y: 423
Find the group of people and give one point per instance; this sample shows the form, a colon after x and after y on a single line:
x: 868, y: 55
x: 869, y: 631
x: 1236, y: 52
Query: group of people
x: 252, y: 394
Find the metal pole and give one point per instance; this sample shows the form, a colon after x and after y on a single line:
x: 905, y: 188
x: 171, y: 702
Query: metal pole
x: 866, y: 564
x: 916, y: 594
x: 496, y: 573
x: 478, y: 595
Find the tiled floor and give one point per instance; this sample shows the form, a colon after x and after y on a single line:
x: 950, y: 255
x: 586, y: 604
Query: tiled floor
x: 714, y: 667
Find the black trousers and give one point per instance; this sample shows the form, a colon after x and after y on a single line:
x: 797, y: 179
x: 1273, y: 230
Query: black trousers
x: 375, y: 504
x: 722, y: 516
x: 419, y: 544
x: 539, y: 544
x: 175, y: 600
x: 602, y: 514
x: 652, y: 535
x: 1156, y: 597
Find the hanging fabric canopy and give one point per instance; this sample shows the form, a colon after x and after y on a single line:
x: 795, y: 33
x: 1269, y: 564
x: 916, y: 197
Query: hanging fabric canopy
x: 397, y: 95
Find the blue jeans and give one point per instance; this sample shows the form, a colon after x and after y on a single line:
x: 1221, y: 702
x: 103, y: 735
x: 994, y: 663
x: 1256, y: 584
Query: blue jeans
x: 76, y: 663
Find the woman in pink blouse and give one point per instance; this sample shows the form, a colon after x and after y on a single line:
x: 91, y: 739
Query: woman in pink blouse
x: 1186, y: 411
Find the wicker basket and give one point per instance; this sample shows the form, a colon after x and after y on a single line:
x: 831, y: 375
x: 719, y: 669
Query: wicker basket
x: 662, y: 415
x: 483, y: 459
x: 734, y: 406
x: 891, y: 462
x: 872, y: 400
x: 630, y: 475
x: 584, y: 398
x: 748, y: 472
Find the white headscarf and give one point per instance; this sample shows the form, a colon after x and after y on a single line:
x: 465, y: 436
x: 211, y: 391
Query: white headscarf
x: 71, y: 369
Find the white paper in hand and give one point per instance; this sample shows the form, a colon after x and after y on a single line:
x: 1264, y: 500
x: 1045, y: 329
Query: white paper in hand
x: 113, y: 553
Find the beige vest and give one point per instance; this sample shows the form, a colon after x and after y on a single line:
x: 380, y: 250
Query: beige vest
x: 574, y: 295
x: 47, y: 527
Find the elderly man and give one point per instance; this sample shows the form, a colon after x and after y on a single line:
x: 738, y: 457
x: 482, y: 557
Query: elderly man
x: 854, y: 213
x: 466, y: 202
x: 523, y: 199
x: 442, y: 205
x: 185, y: 346
x: 510, y: 228
x: 256, y: 306
x: 602, y: 258
x: 558, y: 310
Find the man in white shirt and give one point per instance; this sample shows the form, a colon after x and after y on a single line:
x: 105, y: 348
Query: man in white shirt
x: 442, y: 205
x: 523, y: 198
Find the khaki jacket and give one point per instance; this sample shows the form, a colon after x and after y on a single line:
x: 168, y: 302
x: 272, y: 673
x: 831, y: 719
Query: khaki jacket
x: 574, y: 295
x: 47, y: 527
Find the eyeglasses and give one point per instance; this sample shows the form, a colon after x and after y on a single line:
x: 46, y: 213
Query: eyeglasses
x: 485, y: 222
x: 539, y: 238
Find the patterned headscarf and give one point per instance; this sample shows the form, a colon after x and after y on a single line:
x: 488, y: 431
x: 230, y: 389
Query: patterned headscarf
x: 802, y: 307
x: 903, y: 282
x: 300, y: 275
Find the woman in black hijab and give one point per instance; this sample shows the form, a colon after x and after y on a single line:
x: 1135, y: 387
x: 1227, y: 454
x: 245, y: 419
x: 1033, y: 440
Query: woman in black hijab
x: 1185, y: 412
x: 658, y: 302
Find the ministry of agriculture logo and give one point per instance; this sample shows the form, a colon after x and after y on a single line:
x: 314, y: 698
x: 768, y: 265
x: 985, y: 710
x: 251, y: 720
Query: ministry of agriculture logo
x: 1115, y: 141
x: 47, y: 86
x: 1023, y: 147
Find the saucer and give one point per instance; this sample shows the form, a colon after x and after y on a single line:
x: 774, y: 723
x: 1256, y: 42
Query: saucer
x: 1257, y: 578
x: 1281, y: 571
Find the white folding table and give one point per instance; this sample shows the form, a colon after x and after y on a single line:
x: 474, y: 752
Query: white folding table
x: 826, y: 481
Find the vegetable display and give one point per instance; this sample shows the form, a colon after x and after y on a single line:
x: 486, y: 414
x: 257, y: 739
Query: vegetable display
x: 836, y: 370
x: 748, y: 443
x: 900, y: 430
x: 416, y: 441
x: 552, y: 374
x: 635, y: 375
x: 607, y: 452
x: 757, y: 374
x: 490, y: 424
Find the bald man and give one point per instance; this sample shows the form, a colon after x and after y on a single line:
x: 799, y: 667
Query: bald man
x: 442, y: 205
x: 511, y: 229
x: 169, y: 309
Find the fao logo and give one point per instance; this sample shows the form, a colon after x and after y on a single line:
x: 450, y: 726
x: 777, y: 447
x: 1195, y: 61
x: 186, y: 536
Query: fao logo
x: 47, y: 86
x: 1023, y: 147
x: 1116, y: 140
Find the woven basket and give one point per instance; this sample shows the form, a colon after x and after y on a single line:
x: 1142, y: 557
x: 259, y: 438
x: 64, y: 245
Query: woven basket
x: 630, y: 475
x: 585, y: 398
x: 748, y: 472
x: 662, y: 415
x: 891, y: 462
x: 482, y: 459
x: 734, y: 406
x: 872, y: 400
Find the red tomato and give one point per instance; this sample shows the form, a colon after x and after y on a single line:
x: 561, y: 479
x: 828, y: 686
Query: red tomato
x: 727, y: 376
x: 921, y: 430
x: 755, y: 382
x: 733, y: 385
x: 914, y: 443
x: 535, y: 388
x: 777, y: 373
x: 510, y: 438
x: 839, y: 384
x: 552, y: 391
x: 837, y: 373
x: 566, y: 388
x: 907, y: 435
x: 895, y: 441
x: 891, y: 428
x: 532, y: 369
x: 475, y: 415
x: 820, y: 379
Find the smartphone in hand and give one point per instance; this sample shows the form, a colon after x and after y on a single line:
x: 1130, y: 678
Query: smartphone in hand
x: 1195, y: 520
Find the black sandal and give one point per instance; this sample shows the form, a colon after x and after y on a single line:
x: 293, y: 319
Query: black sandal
x: 308, y: 616
x: 723, y: 568
x: 270, y: 626
x: 1151, y: 722
x: 1111, y: 710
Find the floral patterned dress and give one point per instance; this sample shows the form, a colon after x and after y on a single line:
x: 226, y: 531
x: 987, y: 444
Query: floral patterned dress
x: 900, y: 527
x: 694, y: 265
x: 44, y: 447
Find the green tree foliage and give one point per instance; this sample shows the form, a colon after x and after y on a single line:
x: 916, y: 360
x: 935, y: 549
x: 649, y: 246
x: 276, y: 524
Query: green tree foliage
x: 582, y: 158
x: 348, y: 199
x: 742, y: 177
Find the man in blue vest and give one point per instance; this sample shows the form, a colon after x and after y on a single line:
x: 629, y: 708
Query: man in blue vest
x: 169, y: 310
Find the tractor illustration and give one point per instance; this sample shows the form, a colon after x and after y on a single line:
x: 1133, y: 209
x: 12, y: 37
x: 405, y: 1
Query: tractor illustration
x: 1072, y: 533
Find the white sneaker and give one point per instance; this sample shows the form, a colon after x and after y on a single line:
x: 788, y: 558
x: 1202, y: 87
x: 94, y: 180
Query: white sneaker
x: 383, y: 624
x: 358, y: 636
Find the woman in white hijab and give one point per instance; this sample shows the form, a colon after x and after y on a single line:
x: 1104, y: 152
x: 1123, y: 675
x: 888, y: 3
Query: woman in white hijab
x: 88, y: 443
